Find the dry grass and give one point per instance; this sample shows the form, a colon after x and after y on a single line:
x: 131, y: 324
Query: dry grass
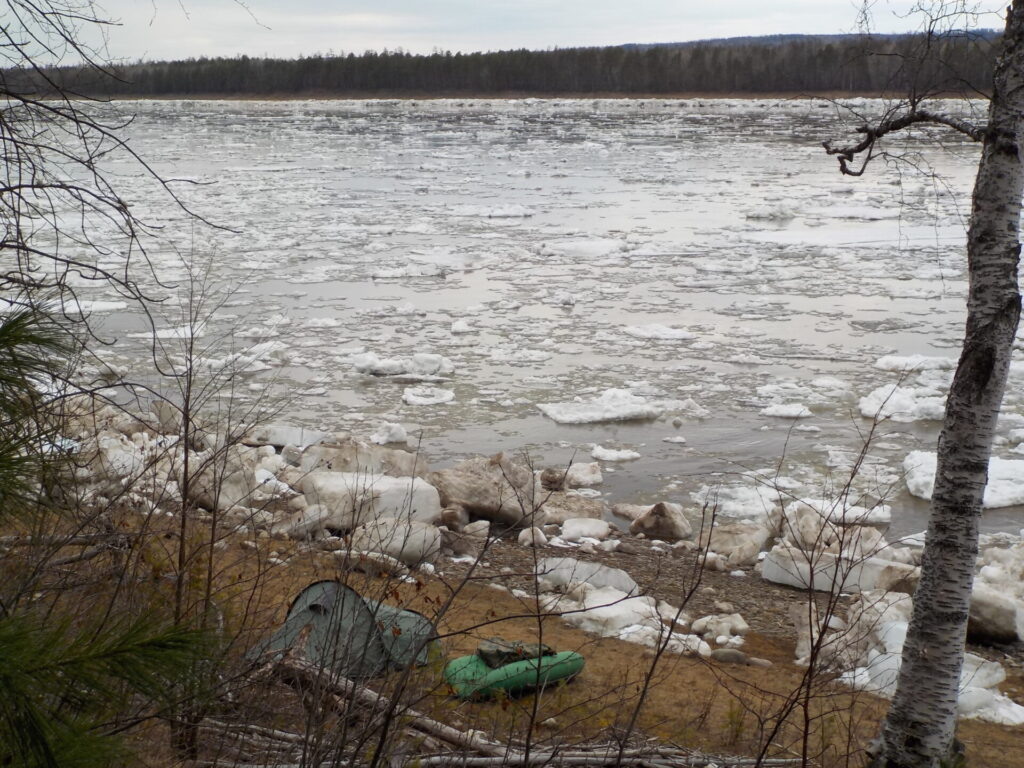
x: 691, y: 702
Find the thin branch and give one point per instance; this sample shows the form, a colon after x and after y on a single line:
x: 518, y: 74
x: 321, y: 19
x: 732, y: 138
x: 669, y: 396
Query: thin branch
x: 846, y: 154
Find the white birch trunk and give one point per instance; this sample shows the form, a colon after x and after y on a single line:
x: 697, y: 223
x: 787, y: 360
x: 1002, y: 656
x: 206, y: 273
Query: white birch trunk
x: 920, y: 728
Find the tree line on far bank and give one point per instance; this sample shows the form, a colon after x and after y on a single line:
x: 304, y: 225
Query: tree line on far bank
x: 957, y: 62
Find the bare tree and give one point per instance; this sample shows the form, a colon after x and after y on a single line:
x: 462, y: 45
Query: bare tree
x: 919, y: 731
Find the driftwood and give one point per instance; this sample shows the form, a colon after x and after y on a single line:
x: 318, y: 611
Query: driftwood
x: 600, y: 758
x: 257, y: 730
x: 302, y: 674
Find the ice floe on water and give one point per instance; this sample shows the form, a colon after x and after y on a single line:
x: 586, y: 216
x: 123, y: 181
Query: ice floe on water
x: 787, y: 411
x: 426, y: 395
x: 601, y: 453
x: 909, y: 363
x: 420, y: 365
x: 610, y: 405
x: 660, y: 332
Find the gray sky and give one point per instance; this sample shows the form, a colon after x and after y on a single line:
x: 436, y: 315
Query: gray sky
x: 167, y: 29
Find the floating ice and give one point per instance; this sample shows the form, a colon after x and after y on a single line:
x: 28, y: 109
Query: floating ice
x: 772, y: 213
x: 787, y: 411
x: 420, y: 364
x: 425, y: 395
x: 738, y: 501
x: 611, y: 454
x: 181, y: 333
x: 612, y: 405
x: 84, y: 307
x: 660, y: 332
x: 901, y: 363
x: 322, y: 322
x: 493, y: 212
x: 411, y: 270
x: 583, y: 248
x: 1005, y: 479
x: 690, y: 407
x: 903, y: 404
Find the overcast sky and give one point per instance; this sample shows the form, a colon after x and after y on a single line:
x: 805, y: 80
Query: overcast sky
x: 169, y: 29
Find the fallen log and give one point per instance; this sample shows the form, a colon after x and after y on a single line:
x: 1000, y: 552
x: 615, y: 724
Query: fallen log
x: 294, y: 671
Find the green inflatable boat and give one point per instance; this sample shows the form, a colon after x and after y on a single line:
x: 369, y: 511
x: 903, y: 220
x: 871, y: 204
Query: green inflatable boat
x: 509, y: 668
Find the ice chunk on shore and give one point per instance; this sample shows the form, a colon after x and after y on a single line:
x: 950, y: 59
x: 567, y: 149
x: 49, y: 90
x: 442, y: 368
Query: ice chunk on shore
x: 1005, y: 479
x: 612, y: 454
x: 389, y: 432
x: 427, y: 396
x: 660, y: 332
x: 611, y: 405
x: 420, y: 364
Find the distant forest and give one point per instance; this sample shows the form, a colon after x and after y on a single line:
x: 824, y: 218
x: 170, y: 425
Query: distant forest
x: 788, y: 64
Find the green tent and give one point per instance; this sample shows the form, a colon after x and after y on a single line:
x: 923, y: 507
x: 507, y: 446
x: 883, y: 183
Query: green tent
x: 352, y: 635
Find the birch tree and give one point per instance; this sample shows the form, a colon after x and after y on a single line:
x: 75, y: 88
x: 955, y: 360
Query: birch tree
x: 920, y: 728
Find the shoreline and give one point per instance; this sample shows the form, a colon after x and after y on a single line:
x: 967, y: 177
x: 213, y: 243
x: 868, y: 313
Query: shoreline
x: 510, y: 96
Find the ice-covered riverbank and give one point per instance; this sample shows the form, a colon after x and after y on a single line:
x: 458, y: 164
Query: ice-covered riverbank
x: 387, y: 506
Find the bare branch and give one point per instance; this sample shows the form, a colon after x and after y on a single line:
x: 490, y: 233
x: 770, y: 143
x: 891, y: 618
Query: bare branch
x: 872, y: 134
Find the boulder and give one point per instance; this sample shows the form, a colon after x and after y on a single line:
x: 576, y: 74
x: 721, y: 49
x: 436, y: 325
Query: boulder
x: 496, y: 489
x: 663, y: 521
x: 532, y: 537
x: 577, y: 528
x: 371, y: 563
x: 719, y: 625
x: 576, y: 475
x: 631, y: 511
x: 469, y: 541
x: 995, y: 616
x: 353, y: 498
x: 455, y: 518
x: 224, y: 478
x: 115, y: 457
x: 409, y: 541
x: 740, y: 543
x: 583, y: 475
x: 560, y: 506
x: 168, y: 416
x: 293, y: 476
x: 563, y: 571
x: 303, y: 523
x: 803, y: 526
x: 730, y: 656
x: 346, y: 454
